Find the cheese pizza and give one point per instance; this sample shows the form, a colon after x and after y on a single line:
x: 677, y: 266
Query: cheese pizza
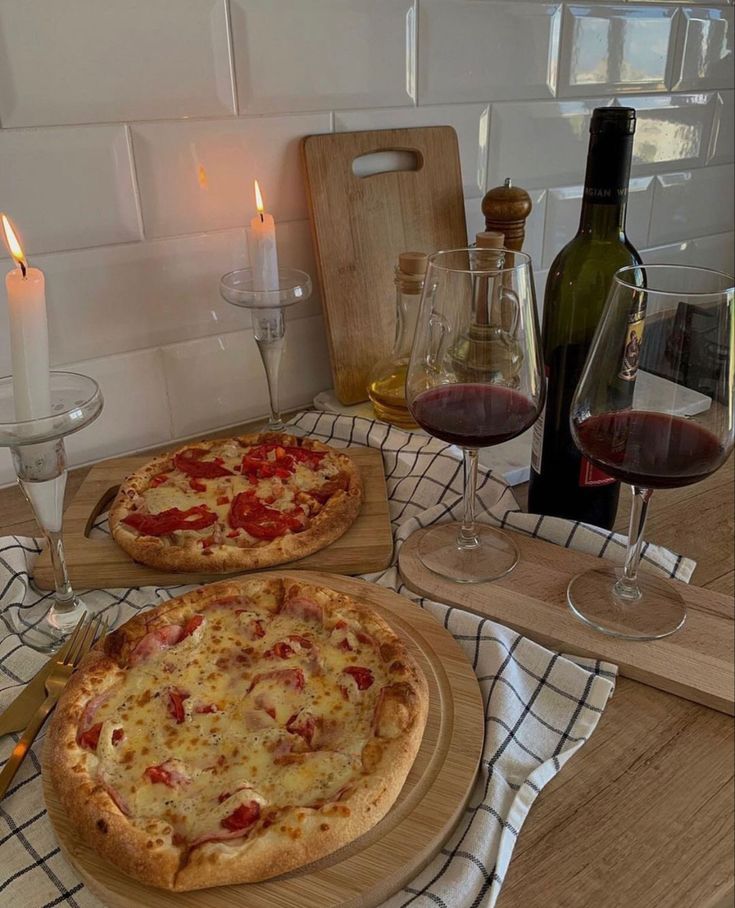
x: 233, y: 504
x: 237, y: 732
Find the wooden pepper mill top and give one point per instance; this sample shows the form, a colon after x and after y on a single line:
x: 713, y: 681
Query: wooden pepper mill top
x: 506, y: 208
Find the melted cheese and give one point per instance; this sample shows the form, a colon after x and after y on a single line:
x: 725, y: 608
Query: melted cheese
x: 236, y: 698
x: 218, y: 494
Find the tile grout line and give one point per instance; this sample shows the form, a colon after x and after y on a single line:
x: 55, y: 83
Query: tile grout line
x: 162, y: 347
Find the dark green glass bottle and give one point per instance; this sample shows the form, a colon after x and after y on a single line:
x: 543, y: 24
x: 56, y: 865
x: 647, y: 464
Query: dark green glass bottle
x: 563, y: 483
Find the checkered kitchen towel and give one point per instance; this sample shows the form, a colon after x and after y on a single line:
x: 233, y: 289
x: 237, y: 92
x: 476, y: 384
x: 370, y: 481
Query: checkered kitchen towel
x: 540, y: 707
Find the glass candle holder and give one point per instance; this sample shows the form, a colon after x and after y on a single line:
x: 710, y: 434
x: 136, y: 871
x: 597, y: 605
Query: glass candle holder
x: 39, y: 459
x: 269, y: 325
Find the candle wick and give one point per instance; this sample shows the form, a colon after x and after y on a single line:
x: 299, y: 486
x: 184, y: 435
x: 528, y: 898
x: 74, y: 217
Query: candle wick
x: 261, y: 216
x: 23, y: 269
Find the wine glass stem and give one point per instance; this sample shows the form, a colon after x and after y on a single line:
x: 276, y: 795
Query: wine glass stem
x: 627, y: 586
x: 467, y: 538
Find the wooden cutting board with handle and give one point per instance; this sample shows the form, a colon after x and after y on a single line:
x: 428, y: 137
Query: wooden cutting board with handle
x: 361, y: 223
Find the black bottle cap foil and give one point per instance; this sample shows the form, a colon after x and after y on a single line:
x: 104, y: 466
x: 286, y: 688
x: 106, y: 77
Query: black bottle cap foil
x: 613, y: 121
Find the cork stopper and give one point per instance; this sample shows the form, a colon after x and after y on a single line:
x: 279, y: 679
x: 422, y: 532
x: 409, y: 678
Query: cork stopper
x: 506, y: 209
x: 490, y: 239
x: 413, y: 262
x: 411, y: 271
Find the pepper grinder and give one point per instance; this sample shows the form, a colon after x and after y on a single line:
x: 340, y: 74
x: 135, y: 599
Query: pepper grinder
x: 506, y: 209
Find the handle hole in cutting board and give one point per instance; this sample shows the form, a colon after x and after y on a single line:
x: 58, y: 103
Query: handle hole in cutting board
x: 387, y: 161
x: 102, y: 505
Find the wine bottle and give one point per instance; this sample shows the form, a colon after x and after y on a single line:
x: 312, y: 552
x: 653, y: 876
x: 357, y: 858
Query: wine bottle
x: 563, y: 482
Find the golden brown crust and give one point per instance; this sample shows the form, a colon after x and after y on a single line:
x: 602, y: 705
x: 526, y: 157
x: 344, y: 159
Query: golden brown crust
x: 89, y: 807
x: 299, y: 835
x: 331, y: 522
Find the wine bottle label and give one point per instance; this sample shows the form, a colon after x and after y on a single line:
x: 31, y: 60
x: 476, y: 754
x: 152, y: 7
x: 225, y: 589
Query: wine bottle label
x: 633, y: 339
x: 610, y: 195
x: 608, y: 169
x: 590, y: 475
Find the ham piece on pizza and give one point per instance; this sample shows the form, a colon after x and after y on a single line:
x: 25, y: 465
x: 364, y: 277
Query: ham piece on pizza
x: 237, y: 732
x: 234, y: 504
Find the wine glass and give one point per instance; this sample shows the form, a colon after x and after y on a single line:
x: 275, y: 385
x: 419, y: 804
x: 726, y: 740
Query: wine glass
x: 474, y: 379
x: 653, y: 408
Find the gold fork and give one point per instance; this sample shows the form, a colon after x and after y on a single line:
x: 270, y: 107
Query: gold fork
x: 80, y: 642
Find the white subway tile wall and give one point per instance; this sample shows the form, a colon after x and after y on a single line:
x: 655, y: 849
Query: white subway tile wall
x: 218, y: 380
x: 705, y: 59
x: 139, y: 295
x: 324, y: 54
x: 130, y: 135
x: 470, y: 51
x: 618, y: 48
x: 82, y: 61
x: 198, y: 174
x: 722, y: 141
x: 690, y: 203
x: 70, y: 187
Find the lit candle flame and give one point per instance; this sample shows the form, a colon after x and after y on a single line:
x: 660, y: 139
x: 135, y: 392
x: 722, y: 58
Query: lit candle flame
x: 14, y: 247
x: 259, y: 200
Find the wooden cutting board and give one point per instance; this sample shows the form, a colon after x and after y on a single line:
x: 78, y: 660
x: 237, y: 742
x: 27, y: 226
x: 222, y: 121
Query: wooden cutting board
x: 697, y: 663
x: 367, y: 871
x: 100, y: 563
x: 360, y: 225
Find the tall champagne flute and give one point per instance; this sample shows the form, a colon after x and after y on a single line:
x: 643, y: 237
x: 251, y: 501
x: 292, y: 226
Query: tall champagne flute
x: 668, y: 336
x: 475, y: 379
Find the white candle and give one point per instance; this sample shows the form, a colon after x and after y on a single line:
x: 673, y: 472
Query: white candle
x: 262, y: 247
x: 28, y: 334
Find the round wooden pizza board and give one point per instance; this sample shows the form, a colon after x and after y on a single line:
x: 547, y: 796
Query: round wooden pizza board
x: 373, y: 867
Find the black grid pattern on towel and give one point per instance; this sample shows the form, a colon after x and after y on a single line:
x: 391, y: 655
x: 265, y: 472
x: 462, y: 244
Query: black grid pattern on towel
x: 540, y: 707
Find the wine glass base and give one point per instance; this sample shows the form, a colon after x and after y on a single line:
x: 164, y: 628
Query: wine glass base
x: 659, y: 612
x: 44, y: 626
x: 495, y: 554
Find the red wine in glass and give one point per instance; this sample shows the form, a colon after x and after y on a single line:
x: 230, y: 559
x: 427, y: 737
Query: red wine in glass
x: 473, y: 415
x: 632, y: 416
x: 475, y: 379
x: 652, y: 450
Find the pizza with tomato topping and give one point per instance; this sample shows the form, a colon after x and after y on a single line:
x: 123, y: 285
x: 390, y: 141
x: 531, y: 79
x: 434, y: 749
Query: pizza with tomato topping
x: 237, y: 732
x: 234, y: 504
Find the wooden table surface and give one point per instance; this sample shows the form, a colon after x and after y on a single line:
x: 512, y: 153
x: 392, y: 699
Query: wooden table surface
x: 643, y: 816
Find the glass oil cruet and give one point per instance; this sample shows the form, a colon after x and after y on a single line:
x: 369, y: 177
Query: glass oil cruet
x: 387, y: 384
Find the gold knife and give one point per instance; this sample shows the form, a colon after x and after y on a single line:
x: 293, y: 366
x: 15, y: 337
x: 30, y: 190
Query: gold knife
x: 15, y: 717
